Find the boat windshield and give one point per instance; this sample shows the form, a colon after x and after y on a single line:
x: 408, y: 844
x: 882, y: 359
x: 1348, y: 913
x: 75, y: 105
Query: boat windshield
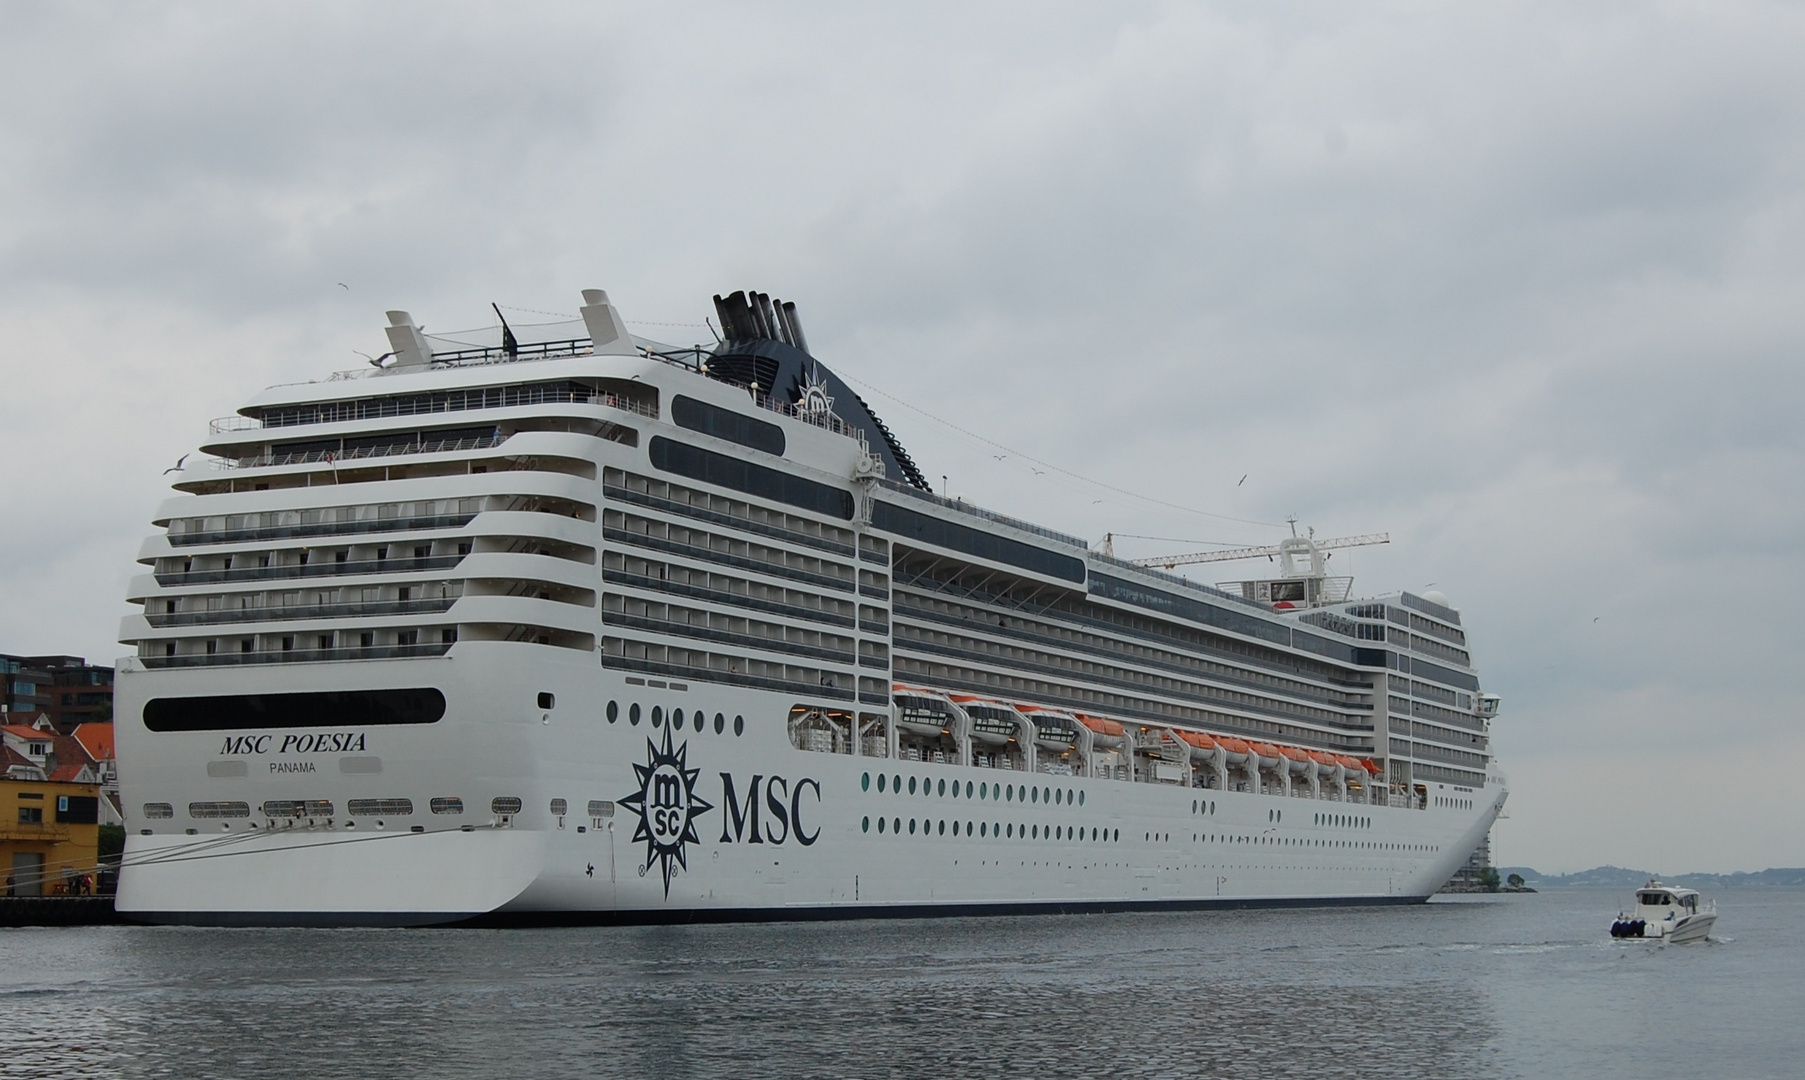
x: 1655, y: 899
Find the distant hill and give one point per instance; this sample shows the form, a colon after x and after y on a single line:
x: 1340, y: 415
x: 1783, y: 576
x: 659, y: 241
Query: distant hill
x: 1617, y: 877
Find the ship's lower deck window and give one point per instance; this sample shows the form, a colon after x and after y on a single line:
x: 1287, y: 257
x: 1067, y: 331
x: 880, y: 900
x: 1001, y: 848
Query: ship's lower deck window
x: 381, y: 807
x: 339, y: 708
x: 452, y: 805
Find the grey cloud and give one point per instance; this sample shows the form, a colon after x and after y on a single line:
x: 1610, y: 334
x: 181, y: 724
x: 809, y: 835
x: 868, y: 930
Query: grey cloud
x: 1517, y: 283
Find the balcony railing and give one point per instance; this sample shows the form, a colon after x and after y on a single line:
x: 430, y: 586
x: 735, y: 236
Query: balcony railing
x: 361, y: 453
x: 278, y: 613
x: 307, y: 570
x: 295, y: 656
x: 321, y: 528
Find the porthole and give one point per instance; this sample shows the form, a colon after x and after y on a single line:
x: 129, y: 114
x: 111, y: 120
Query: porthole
x: 911, y: 826
x: 984, y: 829
x: 1118, y: 834
x: 941, y: 787
x: 983, y: 791
x: 896, y: 784
x: 1193, y: 806
x: 1093, y: 834
x: 1011, y: 828
x: 613, y: 711
x: 865, y: 782
x: 1058, y: 797
x: 739, y: 725
x: 658, y: 716
x: 896, y: 825
x: 955, y: 789
x: 943, y: 828
x: 1081, y: 798
x: 1046, y: 793
x: 677, y: 719
x: 968, y: 789
x: 880, y: 824
x: 911, y: 790
x: 720, y: 723
x: 1034, y: 795
x: 881, y: 780
x: 633, y: 714
x: 1009, y: 793
x: 700, y: 720
x: 1036, y: 834
x: 865, y: 824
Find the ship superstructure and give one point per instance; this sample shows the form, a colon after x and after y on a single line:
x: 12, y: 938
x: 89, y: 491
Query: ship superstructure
x: 591, y: 628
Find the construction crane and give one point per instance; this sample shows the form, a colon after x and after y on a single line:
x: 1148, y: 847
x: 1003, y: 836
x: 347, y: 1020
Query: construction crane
x: 1167, y: 562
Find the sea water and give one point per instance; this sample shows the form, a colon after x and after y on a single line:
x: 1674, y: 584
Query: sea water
x: 1512, y: 985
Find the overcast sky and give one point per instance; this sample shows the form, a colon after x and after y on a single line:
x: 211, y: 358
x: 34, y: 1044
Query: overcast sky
x: 1521, y: 284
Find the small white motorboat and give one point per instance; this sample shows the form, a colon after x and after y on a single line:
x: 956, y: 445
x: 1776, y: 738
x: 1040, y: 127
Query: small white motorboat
x: 1667, y: 913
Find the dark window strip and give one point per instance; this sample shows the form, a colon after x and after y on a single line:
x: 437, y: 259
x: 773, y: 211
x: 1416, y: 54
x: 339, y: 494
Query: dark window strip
x: 755, y: 480
x: 326, y: 709
x: 766, y: 437
x: 923, y: 529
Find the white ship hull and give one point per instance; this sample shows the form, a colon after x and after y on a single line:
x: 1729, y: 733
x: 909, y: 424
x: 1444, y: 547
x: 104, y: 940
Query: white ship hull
x: 809, y: 847
x: 407, y: 653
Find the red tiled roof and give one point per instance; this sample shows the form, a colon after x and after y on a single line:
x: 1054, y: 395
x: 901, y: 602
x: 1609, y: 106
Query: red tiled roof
x: 66, y: 774
x: 96, y: 739
x: 10, y: 757
x: 23, y: 731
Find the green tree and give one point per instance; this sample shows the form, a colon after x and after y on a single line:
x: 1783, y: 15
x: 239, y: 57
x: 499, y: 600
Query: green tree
x: 112, y: 842
x: 1489, y: 878
x: 1515, y: 881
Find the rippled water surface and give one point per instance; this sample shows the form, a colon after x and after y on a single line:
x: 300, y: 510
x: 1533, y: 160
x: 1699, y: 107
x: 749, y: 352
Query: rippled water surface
x: 1525, y: 986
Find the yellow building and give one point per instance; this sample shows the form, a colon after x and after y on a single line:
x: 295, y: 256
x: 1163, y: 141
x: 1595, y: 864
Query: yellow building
x: 49, y: 835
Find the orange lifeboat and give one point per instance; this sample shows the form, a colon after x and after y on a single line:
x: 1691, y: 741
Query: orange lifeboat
x: 1351, y: 764
x: 1100, y: 725
x: 1323, y: 758
x: 1233, y: 746
x: 1294, y: 753
x: 1197, y: 739
x: 1266, y: 750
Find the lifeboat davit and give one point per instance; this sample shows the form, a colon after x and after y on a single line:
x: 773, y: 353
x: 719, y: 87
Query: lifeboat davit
x: 1299, y: 760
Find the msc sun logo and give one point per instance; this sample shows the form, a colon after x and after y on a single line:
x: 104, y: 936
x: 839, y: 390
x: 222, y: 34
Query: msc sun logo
x: 668, y: 807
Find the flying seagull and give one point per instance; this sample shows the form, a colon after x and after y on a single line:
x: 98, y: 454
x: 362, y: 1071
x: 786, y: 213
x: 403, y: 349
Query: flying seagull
x: 177, y: 467
x: 344, y: 286
x: 1241, y: 481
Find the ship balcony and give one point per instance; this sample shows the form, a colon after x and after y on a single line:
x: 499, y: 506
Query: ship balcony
x: 298, y: 656
x: 575, y: 451
x: 358, y: 416
x: 569, y: 526
x: 501, y: 489
x: 271, y: 613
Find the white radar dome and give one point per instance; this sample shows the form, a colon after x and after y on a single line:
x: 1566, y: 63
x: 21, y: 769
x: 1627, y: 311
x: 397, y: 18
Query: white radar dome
x: 1436, y: 596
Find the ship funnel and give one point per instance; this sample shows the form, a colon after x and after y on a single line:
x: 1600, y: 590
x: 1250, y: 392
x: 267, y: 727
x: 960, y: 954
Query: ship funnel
x: 607, y: 331
x: 751, y: 316
x: 407, y: 342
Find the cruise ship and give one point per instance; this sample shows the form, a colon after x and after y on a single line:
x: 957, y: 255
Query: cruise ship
x: 571, y: 626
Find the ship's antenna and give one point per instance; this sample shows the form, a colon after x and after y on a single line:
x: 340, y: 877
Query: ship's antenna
x: 510, y: 347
